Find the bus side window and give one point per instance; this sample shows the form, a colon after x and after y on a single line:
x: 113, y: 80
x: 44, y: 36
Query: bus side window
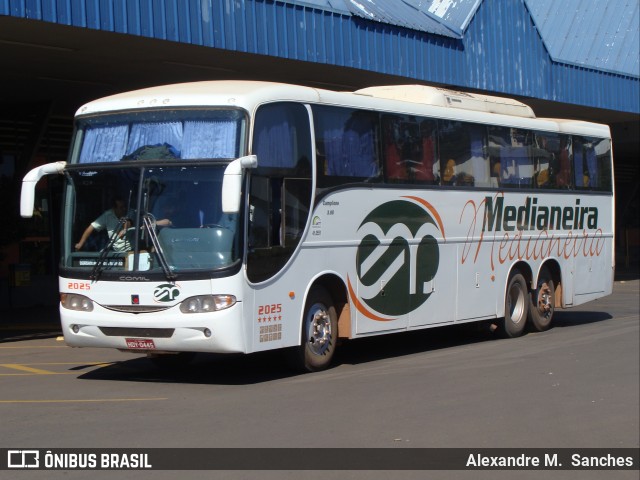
x: 511, y: 151
x: 563, y: 177
x: 463, y: 149
x: 409, y: 149
x: 546, y: 153
x: 430, y: 165
x: 587, y: 155
x: 391, y: 149
x: 347, y: 142
x: 280, y: 187
x: 602, y: 148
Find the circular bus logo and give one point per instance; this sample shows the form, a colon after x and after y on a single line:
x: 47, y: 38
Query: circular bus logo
x: 397, y: 257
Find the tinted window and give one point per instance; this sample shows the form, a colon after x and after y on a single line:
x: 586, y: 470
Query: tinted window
x: 409, y: 149
x: 346, y: 145
x: 463, y: 160
x: 592, y: 163
x: 512, y: 164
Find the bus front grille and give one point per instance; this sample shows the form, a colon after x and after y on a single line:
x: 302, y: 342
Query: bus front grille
x: 138, y: 332
x: 135, y: 308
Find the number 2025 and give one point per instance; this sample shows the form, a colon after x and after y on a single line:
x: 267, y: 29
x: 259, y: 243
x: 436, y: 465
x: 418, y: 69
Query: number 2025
x: 269, y: 309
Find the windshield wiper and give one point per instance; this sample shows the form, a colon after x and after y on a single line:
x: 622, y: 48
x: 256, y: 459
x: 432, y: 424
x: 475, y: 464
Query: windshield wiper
x: 97, y: 268
x: 148, y: 222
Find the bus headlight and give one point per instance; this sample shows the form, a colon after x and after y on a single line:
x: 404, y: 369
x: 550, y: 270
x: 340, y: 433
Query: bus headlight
x: 207, y: 303
x: 73, y: 301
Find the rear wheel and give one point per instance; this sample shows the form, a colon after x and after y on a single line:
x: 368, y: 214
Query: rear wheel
x: 319, y: 333
x: 515, y: 306
x: 542, y: 302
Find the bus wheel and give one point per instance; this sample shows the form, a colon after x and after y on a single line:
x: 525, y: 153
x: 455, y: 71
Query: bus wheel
x: 319, y: 333
x: 515, y: 306
x: 542, y: 302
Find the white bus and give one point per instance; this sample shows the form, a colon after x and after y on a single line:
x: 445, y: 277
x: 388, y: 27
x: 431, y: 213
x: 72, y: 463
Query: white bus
x: 250, y: 216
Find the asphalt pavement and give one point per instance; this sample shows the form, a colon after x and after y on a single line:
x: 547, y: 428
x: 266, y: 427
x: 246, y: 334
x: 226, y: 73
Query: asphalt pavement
x: 574, y: 386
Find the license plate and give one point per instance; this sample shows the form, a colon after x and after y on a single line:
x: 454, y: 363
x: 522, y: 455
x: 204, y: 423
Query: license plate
x: 140, y: 344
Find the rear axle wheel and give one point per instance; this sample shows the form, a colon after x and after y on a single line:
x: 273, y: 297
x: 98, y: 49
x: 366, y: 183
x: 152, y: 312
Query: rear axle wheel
x: 542, y: 302
x: 515, y: 306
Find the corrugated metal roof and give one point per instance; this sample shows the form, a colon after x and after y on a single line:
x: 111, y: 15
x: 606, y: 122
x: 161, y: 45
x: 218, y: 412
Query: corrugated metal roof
x: 599, y: 34
x: 456, y: 14
x: 401, y: 13
x: 331, y: 5
x: 440, y: 17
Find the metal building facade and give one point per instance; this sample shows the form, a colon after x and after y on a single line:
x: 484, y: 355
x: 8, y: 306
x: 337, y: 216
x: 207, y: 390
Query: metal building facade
x: 500, y: 51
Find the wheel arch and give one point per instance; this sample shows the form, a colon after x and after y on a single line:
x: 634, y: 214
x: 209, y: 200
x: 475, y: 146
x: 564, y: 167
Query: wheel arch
x: 555, y: 271
x: 525, y: 269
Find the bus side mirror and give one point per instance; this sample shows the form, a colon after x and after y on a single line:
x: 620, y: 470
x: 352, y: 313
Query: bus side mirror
x: 28, y: 192
x: 232, y: 182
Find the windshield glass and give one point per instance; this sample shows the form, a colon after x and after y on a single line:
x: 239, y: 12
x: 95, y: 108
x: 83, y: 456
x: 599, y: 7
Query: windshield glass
x: 165, y: 135
x: 166, y: 219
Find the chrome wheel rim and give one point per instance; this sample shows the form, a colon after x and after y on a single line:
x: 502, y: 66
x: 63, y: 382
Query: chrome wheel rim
x: 318, y: 324
x: 545, y: 304
x: 516, y: 304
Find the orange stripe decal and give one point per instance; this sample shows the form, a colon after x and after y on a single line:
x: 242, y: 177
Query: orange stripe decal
x: 433, y: 211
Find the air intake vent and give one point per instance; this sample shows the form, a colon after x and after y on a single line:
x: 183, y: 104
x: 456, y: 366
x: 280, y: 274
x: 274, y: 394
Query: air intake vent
x: 135, y: 308
x: 138, y: 332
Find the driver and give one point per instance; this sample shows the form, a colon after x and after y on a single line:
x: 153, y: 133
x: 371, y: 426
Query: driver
x: 110, y: 220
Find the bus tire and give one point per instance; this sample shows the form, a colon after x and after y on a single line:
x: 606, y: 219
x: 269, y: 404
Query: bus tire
x: 319, y: 333
x: 515, y: 306
x: 542, y: 302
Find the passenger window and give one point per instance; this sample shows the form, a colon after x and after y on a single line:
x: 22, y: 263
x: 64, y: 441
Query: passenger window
x: 546, y: 159
x: 409, y: 149
x: 510, y: 151
x: 463, y: 159
x: 592, y: 163
x: 347, y: 145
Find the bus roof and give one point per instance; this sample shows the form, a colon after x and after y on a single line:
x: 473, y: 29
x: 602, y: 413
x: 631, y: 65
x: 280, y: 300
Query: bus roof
x: 241, y: 93
x: 443, y: 97
x: 409, y: 99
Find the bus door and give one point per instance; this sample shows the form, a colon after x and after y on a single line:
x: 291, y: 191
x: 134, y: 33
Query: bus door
x: 278, y: 208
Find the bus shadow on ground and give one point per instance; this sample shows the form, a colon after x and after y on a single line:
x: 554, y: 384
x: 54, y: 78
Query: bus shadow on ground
x: 206, y: 368
x: 573, y: 318
x: 239, y: 369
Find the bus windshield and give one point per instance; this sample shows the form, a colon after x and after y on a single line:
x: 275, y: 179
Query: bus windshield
x: 165, y: 219
x: 144, y: 193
